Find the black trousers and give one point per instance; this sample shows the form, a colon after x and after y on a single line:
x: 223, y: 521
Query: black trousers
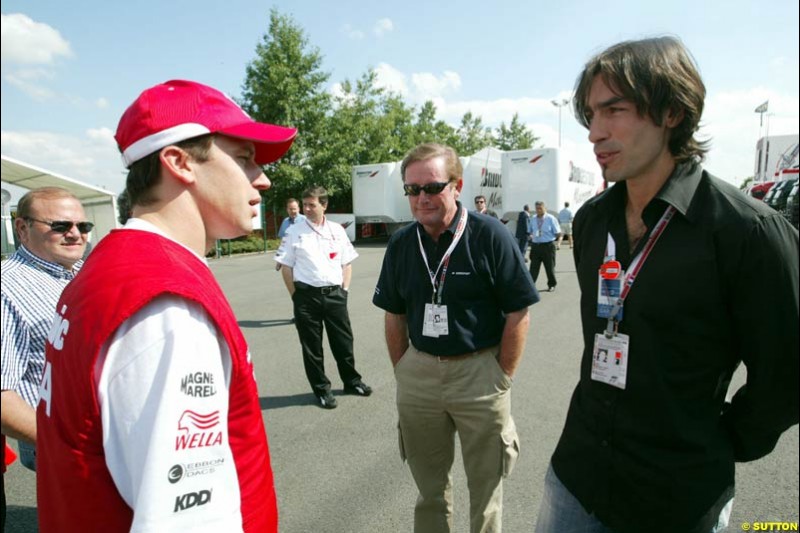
x: 544, y: 253
x: 313, y: 307
x: 523, y: 242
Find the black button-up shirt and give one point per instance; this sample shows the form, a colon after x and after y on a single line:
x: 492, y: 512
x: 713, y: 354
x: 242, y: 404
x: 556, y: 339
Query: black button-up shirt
x: 486, y: 279
x: 719, y: 288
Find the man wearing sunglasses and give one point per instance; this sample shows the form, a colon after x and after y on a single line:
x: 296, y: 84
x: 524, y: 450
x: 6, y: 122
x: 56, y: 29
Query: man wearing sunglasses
x: 52, y: 229
x: 456, y: 294
x: 480, y: 206
x: 149, y: 418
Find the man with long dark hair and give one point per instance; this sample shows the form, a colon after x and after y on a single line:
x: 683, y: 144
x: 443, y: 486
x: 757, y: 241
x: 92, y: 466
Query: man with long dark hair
x: 683, y: 278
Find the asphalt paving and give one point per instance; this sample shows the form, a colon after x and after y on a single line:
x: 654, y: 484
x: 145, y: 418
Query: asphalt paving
x: 339, y: 471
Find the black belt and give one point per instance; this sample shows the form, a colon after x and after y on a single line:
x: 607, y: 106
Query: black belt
x: 327, y: 289
x: 461, y: 356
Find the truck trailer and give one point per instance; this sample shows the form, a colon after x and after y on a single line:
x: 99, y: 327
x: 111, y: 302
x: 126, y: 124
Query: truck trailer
x: 508, y: 180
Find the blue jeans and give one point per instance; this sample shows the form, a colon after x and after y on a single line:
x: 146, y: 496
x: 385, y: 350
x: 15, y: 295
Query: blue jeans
x: 27, y: 455
x: 561, y: 512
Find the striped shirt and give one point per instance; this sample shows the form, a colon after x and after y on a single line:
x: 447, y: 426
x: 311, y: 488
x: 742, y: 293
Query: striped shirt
x: 30, y: 290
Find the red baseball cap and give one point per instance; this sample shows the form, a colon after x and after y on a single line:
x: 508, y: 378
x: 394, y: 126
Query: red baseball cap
x: 177, y: 110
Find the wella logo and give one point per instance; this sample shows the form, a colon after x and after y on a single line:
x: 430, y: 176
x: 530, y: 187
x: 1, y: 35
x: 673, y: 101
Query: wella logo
x: 197, y: 430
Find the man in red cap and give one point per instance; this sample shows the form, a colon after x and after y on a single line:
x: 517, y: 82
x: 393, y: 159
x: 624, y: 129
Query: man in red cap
x: 149, y: 416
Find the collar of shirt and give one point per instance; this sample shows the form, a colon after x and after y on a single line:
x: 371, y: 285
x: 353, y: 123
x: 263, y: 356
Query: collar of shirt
x: 678, y: 191
x: 680, y: 188
x: 54, y: 269
x: 435, y: 250
x: 143, y: 225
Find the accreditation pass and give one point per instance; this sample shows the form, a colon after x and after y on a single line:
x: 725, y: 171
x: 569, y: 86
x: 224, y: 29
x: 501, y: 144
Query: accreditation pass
x: 610, y: 359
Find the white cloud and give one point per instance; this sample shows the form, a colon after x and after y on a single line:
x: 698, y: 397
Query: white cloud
x: 734, y: 128
x: 379, y: 29
x: 92, y: 158
x: 428, y: 85
x: 33, y: 90
x: 424, y: 85
x: 101, y: 103
x: 728, y: 119
x: 382, y: 27
x: 352, y: 33
x: 392, y: 79
x: 27, y: 42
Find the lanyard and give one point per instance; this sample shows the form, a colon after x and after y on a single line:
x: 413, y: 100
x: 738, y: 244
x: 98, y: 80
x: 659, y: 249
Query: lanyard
x: 635, y: 267
x: 324, y: 224
x: 445, y: 261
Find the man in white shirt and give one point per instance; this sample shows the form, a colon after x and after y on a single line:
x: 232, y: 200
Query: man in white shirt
x: 316, y: 256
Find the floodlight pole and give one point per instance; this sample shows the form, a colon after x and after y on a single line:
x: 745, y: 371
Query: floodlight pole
x: 559, y: 104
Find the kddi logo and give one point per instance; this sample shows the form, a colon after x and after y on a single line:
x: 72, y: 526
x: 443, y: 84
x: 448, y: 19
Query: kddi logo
x: 192, y: 499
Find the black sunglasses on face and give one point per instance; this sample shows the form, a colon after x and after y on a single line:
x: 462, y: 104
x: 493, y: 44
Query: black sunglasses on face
x: 430, y: 188
x: 63, y: 226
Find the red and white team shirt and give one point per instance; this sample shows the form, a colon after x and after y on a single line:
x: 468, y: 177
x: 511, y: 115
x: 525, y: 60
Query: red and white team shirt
x: 149, y: 418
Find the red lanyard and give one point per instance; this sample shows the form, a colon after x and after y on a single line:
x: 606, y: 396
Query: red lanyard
x: 636, y: 266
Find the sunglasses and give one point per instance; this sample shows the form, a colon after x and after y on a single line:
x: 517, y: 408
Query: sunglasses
x: 63, y: 226
x: 430, y: 188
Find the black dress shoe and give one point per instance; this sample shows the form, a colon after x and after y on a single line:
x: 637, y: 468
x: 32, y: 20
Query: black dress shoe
x: 359, y: 389
x: 327, y: 401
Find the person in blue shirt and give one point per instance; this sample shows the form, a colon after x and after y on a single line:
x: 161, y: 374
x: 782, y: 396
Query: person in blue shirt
x: 565, y: 220
x: 52, y: 228
x: 293, y: 212
x: 545, y: 230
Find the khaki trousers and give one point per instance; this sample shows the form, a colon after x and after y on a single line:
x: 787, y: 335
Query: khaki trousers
x: 437, y: 397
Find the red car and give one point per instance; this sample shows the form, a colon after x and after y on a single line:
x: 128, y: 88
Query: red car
x: 760, y: 190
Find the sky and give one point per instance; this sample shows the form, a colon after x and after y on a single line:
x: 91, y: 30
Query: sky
x: 69, y: 69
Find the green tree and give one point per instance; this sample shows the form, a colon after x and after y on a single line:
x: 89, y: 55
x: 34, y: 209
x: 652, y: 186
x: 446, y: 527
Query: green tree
x: 373, y: 123
x: 515, y: 136
x: 428, y: 129
x: 472, y: 136
x: 284, y: 85
x: 368, y: 124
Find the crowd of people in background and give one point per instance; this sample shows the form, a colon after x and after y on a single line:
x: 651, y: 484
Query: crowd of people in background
x: 673, y: 264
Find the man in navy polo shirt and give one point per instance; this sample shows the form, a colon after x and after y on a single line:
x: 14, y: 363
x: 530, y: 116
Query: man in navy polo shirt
x: 456, y: 295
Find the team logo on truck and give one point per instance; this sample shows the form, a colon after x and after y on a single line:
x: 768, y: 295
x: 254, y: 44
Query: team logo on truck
x: 491, y: 179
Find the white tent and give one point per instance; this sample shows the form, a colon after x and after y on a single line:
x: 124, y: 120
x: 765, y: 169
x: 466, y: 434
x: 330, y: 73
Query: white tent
x: 100, y: 204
